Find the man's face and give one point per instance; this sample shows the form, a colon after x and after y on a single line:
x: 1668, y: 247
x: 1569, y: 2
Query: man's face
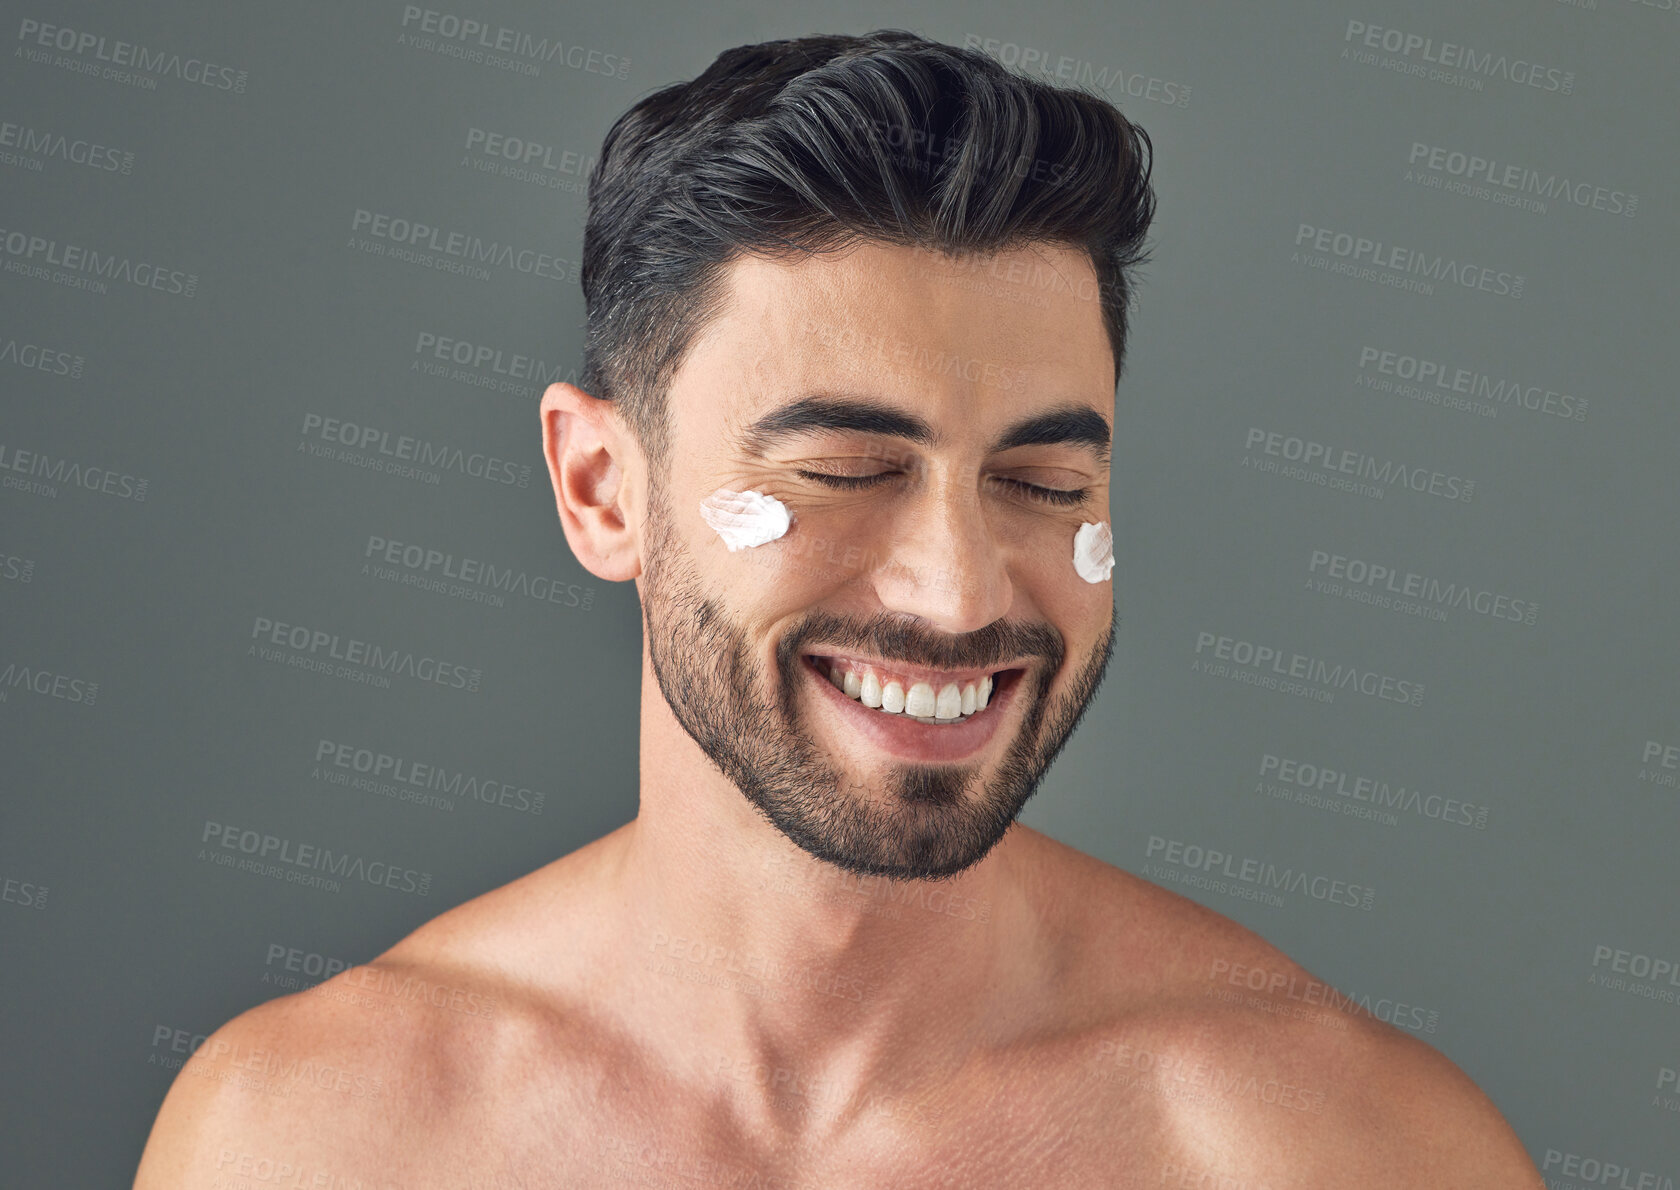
x: 945, y: 563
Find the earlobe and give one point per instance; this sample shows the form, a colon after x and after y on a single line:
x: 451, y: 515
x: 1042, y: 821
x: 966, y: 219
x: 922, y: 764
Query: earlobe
x: 586, y: 451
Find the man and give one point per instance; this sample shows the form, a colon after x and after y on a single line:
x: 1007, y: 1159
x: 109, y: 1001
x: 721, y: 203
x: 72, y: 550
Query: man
x: 857, y: 312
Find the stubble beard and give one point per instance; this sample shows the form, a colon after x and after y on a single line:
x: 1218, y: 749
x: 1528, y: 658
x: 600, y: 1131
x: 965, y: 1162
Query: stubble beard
x: 918, y: 821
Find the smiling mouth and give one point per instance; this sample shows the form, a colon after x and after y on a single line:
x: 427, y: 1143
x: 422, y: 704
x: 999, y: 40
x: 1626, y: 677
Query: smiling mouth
x: 924, y: 696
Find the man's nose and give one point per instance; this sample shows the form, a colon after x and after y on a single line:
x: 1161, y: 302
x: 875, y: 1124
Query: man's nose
x: 945, y: 561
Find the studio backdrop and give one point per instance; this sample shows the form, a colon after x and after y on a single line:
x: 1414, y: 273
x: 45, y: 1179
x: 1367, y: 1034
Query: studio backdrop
x: 1396, y: 504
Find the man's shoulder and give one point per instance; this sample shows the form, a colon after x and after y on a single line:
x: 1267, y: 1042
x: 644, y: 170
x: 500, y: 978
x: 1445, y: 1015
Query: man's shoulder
x: 379, y: 1067
x: 1331, y: 1097
x: 331, y: 1082
x: 1229, y: 1040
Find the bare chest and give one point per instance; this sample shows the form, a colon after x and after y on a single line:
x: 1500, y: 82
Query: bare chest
x: 1046, y: 1131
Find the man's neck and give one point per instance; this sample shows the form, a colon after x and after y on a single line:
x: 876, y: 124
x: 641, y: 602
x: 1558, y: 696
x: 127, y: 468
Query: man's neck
x: 753, y: 956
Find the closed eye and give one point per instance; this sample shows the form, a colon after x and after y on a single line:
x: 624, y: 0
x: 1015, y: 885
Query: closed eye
x: 1030, y: 491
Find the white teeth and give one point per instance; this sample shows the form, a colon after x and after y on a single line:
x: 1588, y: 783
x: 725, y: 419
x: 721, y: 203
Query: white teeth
x: 921, y: 702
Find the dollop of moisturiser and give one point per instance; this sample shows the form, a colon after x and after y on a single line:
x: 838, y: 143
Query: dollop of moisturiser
x: 745, y: 519
x: 1093, y: 552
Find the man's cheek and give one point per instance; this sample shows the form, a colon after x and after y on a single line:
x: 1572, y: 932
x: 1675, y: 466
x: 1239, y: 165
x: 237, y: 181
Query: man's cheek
x: 1093, y: 552
x: 745, y: 519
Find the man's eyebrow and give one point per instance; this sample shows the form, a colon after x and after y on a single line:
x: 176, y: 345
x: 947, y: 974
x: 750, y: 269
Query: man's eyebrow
x: 1077, y: 425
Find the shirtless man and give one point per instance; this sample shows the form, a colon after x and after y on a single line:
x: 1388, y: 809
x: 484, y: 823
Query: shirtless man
x: 824, y: 954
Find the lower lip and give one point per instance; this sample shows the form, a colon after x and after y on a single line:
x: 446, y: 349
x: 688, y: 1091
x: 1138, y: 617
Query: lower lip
x: 904, y: 737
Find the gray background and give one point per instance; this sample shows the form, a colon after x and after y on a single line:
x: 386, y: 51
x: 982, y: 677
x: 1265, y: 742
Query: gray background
x: 135, y: 709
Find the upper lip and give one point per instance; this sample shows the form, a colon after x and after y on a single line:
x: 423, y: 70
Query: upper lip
x: 922, y: 673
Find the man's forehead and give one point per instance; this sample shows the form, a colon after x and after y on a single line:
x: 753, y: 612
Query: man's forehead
x: 1030, y: 275
x: 881, y: 340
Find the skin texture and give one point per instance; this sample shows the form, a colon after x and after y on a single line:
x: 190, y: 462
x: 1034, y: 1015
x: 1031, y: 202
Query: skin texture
x: 806, y: 962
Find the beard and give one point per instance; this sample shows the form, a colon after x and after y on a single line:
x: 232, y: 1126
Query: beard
x: 921, y: 821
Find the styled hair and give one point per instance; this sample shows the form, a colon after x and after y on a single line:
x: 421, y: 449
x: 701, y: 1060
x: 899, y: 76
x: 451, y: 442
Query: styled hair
x: 809, y: 145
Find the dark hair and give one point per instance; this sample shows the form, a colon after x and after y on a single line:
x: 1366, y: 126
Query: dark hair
x: 815, y: 143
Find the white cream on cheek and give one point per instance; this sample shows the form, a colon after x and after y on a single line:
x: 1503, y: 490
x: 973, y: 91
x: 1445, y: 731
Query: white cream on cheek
x: 745, y: 519
x: 1093, y: 551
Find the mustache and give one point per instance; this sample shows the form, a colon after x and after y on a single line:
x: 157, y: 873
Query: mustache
x: 992, y: 647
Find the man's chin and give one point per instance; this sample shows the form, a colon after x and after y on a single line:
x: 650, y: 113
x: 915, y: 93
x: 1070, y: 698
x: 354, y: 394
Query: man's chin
x: 887, y: 816
x: 900, y: 821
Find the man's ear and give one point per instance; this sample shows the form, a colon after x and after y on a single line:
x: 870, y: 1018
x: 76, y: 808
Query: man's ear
x: 592, y: 457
